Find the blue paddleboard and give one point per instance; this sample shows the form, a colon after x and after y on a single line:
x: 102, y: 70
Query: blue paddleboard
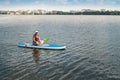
x: 44, y: 46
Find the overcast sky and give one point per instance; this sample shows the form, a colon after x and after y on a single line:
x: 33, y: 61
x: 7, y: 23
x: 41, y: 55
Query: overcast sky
x: 59, y: 4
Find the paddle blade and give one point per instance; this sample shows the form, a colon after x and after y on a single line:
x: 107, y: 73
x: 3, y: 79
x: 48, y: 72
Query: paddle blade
x: 46, y: 39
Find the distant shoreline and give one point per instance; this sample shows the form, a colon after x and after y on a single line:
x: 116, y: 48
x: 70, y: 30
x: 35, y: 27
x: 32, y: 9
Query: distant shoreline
x: 54, y: 12
x: 63, y: 14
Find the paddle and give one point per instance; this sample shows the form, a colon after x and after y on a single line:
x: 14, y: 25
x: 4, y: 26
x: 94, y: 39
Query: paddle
x: 46, y: 39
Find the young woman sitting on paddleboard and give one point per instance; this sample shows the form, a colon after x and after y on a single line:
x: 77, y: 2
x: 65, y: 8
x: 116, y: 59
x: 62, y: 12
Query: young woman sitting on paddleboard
x: 36, y: 39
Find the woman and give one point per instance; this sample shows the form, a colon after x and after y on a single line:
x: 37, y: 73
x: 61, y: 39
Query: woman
x: 36, y: 39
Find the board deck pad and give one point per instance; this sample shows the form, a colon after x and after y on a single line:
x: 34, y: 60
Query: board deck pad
x: 44, y: 46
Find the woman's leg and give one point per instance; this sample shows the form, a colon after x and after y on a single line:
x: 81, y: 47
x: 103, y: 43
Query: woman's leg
x: 42, y: 41
x: 34, y: 43
x: 38, y: 43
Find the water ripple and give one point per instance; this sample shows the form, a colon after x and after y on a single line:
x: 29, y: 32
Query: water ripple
x: 92, y: 51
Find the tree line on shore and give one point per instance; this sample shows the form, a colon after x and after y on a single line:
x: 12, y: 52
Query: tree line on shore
x: 68, y: 13
x: 90, y: 13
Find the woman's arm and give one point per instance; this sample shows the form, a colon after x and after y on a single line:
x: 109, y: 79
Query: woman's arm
x: 34, y: 39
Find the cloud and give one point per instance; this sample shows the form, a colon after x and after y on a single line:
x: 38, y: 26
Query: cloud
x: 6, y: 2
x: 17, y: 0
x: 62, y: 1
x: 75, y: 4
x: 37, y: 2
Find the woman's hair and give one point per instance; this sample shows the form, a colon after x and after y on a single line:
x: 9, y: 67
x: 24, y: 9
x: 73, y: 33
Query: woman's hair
x: 34, y: 35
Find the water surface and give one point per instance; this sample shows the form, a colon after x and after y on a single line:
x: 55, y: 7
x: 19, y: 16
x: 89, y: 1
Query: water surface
x: 93, y: 48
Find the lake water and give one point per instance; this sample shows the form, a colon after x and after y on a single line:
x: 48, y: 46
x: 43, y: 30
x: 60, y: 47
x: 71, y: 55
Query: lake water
x: 92, y: 53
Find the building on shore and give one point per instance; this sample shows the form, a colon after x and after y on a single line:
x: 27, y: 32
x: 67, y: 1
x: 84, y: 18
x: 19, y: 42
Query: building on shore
x: 12, y: 12
x: 103, y: 10
x: 18, y: 12
x: 42, y: 12
x: 87, y: 10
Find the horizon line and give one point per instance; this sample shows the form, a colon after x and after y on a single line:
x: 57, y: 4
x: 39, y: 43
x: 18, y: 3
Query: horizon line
x: 60, y: 9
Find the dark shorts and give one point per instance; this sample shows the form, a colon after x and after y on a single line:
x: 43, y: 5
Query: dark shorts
x: 34, y: 43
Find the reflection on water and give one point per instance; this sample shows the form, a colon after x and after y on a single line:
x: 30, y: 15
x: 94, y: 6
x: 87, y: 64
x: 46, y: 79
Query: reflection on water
x: 36, y: 54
